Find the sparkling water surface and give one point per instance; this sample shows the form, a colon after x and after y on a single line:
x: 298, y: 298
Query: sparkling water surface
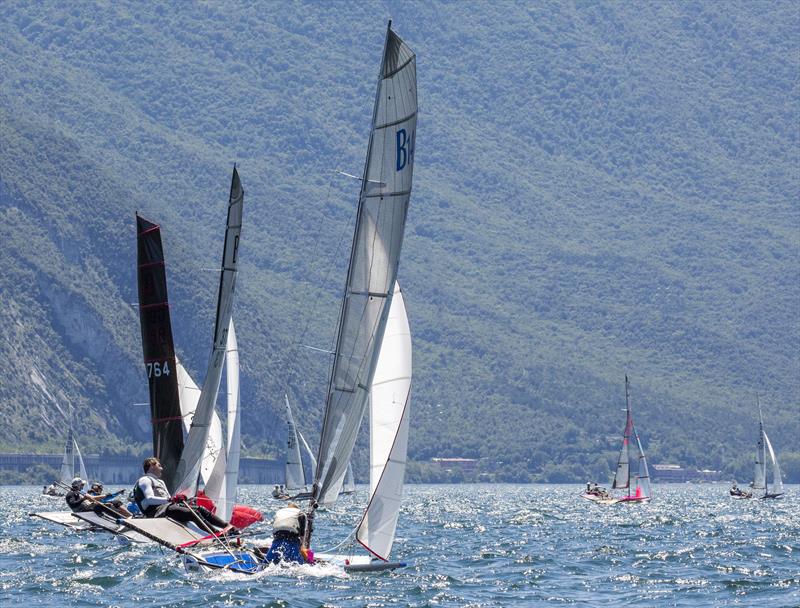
x: 465, y: 545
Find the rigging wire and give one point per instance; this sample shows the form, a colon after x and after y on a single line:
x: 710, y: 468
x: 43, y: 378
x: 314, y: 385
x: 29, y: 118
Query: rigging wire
x: 291, y: 359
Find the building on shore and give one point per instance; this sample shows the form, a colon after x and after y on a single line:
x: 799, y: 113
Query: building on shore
x: 125, y: 469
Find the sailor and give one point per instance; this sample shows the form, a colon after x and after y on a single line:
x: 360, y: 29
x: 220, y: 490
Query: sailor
x: 96, y: 491
x: 153, y: 498
x: 78, y: 501
x: 288, y: 528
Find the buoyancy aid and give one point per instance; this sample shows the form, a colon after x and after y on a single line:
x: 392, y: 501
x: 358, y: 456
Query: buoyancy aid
x: 287, y: 520
x: 159, y: 490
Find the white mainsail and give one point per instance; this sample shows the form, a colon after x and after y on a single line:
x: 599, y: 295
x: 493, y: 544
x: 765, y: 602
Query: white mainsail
x: 622, y: 477
x: 189, y: 466
x: 389, y: 421
x: 374, y: 259
x: 68, y: 461
x: 294, y: 476
x: 760, y: 472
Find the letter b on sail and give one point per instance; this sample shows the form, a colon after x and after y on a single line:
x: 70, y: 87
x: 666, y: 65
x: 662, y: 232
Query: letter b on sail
x: 405, y: 148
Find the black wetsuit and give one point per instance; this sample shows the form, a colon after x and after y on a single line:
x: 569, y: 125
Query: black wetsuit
x: 79, y: 504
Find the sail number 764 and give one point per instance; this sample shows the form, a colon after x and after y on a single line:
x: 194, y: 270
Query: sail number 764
x: 157, y: 369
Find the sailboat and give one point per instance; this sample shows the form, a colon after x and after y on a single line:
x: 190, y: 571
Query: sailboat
x: 349, y: 483
x: 68, y: 470
x: 365, y: 310
x: 372, y: 271
x: 632, y: 473
x: 765, y: 453
x: 294, y: 476
x: 204, y: 459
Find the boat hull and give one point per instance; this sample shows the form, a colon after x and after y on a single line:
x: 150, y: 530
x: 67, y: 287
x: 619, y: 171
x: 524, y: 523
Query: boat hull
x: 358, y: 563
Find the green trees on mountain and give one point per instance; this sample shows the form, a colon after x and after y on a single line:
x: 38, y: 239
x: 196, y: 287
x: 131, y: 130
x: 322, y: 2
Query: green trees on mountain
x: 600, y: 189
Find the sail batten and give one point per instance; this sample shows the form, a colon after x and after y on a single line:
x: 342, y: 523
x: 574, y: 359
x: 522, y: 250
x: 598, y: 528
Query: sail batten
x: 190, y: 463
x: 374, y: 258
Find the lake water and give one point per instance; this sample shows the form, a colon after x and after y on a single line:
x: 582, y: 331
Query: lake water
x: 465, y: 545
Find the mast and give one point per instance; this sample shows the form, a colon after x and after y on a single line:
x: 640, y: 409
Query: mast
x: 158, y: 349
x: 374, y: 258
x: 189, y: 466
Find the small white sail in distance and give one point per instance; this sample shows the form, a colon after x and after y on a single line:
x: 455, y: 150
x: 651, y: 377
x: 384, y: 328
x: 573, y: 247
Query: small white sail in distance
x: 294, y: 476
x: 777, y: 482
x: 389, y: 420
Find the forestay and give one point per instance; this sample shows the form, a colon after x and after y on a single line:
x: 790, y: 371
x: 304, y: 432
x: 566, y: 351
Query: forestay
x: 389, y: 420
x: 189, y: 465
x: 374, y: 258
x: 158, y: 349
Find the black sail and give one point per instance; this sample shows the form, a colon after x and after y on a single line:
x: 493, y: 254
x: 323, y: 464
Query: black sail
x: 158, y: 349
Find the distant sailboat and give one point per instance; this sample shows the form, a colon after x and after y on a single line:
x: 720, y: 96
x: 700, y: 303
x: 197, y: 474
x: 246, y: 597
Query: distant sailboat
x: 294, y: 475
x: 69, y: 470
x: 349, y: 484
x: 632, y: 473
x: 765, y: 454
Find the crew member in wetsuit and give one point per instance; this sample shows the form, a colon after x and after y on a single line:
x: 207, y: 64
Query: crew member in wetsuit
x: 288, y: 529
x: 153, y: 498
x: 96, y: 492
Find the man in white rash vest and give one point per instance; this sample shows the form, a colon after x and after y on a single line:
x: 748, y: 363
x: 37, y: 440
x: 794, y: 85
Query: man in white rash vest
x: 153, y: 498
x: 288, y: 528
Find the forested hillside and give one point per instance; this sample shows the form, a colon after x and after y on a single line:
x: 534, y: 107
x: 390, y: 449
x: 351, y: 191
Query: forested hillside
x: 600, y: 189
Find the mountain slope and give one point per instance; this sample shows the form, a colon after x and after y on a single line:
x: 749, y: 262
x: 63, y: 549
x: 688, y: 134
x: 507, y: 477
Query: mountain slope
x: 599, y: 189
